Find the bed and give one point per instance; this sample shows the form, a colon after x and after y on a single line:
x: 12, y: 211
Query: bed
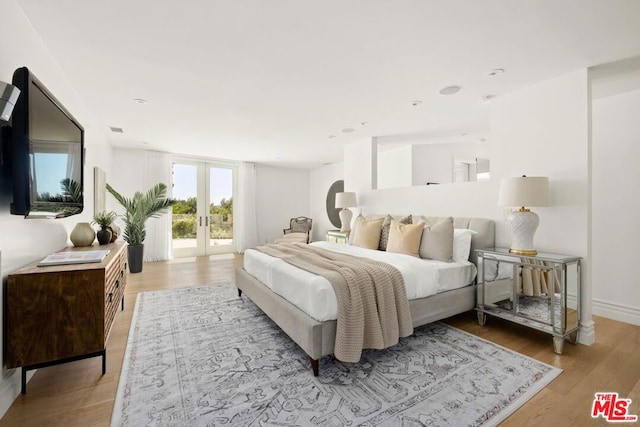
x: 282, y: 292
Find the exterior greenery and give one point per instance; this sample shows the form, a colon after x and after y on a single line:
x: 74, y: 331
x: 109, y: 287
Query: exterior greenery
x: 139, y: 208
x: 67, y: 202
x: 185, y: 219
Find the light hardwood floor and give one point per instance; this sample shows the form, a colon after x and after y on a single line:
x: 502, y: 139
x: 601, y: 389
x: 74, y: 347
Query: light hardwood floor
x: 75, y: 394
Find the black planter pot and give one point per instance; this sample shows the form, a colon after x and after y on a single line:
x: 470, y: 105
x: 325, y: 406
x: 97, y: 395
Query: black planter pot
x: 104, y: 236
x: 135, y: 255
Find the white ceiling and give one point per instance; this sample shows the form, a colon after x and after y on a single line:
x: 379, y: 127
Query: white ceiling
x: 269, y: 80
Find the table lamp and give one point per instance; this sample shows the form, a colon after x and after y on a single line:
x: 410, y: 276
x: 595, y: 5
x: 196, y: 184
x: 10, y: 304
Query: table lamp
x: 523, y: 192
x: 346, y: 200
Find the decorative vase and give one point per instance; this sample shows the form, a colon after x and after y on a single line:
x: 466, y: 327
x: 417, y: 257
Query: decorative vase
x: 82, y: 234
x: 104, y: 235
x: 115, y: 232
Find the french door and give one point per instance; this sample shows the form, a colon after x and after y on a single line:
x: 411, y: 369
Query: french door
x: 202, y: 221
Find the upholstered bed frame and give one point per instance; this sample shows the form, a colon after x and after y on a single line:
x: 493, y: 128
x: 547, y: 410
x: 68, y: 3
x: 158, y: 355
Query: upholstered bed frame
x: 317, y: 338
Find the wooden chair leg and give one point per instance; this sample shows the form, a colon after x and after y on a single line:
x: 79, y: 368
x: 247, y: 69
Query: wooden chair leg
x: 239, y: 292
x: 314, y: 366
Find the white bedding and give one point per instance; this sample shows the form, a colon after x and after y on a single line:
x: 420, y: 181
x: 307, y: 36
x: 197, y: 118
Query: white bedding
x: 314, y: 295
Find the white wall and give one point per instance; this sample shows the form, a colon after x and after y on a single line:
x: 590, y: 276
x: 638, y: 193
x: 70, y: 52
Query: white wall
x: 281, y: 194
x: 394, y: 167
x: 616, y: 203
x: 541, y: 130
x: 321, y: 179
x: 23, y: 241
x: 544, y: 130
x: 431, y: 164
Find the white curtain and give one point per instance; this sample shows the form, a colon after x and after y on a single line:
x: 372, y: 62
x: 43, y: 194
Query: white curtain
x: 245, y: 229
x: 157, y: 245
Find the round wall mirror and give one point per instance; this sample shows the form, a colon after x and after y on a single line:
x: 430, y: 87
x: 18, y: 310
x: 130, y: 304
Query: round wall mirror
x: 332, y: 212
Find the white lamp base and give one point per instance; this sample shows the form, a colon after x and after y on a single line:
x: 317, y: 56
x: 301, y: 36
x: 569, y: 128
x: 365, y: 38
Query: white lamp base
x: 345, y: 219
x: 523, y: 225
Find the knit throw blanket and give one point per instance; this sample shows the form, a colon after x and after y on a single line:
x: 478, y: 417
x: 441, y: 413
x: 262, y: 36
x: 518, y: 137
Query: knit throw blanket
x: 373, y: 310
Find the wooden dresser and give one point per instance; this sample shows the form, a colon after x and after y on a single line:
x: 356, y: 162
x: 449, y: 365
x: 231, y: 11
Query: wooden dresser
x: 62, y: 313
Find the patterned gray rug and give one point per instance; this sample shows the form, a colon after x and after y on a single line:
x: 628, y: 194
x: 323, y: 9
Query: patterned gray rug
x: 201, y: 356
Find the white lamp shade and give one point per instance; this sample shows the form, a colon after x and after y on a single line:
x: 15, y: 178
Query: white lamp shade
x: 346, y: 200
x: 524, y: 191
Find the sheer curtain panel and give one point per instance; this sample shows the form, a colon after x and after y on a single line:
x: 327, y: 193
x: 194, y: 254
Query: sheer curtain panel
x: 245, y: 229
x: 157, y: 245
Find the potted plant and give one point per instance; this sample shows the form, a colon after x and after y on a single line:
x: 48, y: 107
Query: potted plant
x: 138, y: 210
x: 104, y: 219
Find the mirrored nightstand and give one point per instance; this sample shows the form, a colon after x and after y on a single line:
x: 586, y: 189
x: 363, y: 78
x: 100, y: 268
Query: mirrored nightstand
x: 541, y: 291
x: 338, y: 236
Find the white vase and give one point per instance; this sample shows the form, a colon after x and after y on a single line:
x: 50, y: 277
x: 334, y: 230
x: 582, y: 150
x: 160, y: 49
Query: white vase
x: 82, y: 234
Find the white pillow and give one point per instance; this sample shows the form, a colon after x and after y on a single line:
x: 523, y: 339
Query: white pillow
x: 354, y: 226
x: 496, y: 270
x: 462, y: 244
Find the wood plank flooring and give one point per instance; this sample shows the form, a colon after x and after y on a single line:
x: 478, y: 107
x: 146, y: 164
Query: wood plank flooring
x: 75, y: 394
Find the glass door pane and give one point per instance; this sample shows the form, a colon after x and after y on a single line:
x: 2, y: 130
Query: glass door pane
x: 202, y: 221
x: 185, y: 215
x: 220, y: 203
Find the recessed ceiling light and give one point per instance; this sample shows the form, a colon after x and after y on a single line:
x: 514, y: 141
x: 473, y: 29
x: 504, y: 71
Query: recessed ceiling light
x: 450, y: 90
x: 331, y: 136
x: 487, y: 98
x: 364, y: 123
x: 347, y: 130
x: 494, y: 72
x: 140, y: 100
x: 116, y: 130
x: 416, y: 103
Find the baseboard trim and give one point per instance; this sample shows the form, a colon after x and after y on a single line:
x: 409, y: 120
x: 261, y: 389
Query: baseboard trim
x: 9, y: 389
x: 617, y: 312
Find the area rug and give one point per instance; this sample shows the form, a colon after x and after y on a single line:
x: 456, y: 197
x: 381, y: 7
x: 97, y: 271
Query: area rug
x: 202, y: 356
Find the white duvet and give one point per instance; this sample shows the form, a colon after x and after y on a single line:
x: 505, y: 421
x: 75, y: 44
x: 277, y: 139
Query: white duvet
x: 314, y: 295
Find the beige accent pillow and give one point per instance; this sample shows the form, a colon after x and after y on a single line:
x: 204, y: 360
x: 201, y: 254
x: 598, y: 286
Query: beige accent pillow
x: 367, y: 233
x: 384, y: 234
x: 405, y: 238
x: 437, y: 241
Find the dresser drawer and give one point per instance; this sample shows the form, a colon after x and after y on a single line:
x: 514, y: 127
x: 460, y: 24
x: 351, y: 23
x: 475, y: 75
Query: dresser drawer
x: 115, y: 282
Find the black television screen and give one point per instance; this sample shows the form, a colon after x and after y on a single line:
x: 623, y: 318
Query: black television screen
x: 47, y: 153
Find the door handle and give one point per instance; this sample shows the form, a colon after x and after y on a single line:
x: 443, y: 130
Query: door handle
x: 200, y: 218
x: 206, y: 221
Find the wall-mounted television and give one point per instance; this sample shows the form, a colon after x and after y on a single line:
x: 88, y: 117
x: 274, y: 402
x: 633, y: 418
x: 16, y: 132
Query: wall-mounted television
x: 47, y: 153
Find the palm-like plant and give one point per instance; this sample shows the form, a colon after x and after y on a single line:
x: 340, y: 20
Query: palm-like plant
x: 71, y: 190
x: 104, y: 219
x: 139, y: 209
